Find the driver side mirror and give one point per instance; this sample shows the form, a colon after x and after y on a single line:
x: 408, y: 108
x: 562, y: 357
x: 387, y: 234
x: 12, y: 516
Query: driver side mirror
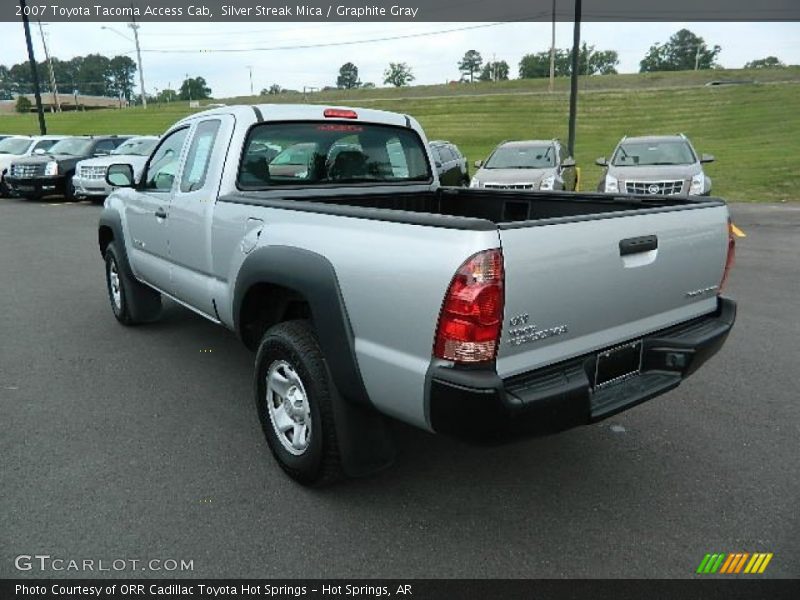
x: 478, y: 164
x: 601, y: 161
x: 707, y: 158
x: 39, y: 151
x: 101, y: 153
x: 568, y: 162
x: 120, y: 175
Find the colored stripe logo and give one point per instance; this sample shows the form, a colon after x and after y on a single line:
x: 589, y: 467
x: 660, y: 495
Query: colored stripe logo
x: 734, y: 563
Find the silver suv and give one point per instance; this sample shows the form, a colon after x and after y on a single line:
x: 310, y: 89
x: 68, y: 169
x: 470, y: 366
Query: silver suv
x: 658, y: 165
x: 526, y: 165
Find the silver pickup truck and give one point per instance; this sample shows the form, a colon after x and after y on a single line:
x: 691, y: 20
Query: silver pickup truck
x: 322, y: 237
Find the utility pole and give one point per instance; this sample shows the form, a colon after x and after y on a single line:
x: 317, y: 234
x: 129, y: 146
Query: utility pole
x: 553, y: 50
x: 250, y: 68
x: 188, y: 87
x: 697, y: 57
x: 135, y: 28
x: 573, y: 88
x: 34, y: 72
x: 53, y: 85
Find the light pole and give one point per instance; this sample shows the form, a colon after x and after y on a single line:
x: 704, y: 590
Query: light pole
x: 135, y: 41
x: 553, y: 50
x: 250, y: 68
x: 53, y: 85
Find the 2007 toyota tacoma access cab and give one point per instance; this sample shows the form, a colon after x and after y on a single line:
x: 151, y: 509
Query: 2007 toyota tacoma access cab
x: 322, y: 237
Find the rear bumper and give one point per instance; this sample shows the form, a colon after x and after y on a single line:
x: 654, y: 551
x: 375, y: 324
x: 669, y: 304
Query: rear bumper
x: 35, y: 187
x: 476, y: 403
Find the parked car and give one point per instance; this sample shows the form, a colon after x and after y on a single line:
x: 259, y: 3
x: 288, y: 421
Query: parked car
x: 369, y: 291
x: 89, y: 180
x: 51, y: 174
x: 18, y: 146
x: 450, y: 164
x: 526, y: 165
x: 657, y: 165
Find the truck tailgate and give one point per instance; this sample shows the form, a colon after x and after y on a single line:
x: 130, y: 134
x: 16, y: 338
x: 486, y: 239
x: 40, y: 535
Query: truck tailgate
x: 581, y: 286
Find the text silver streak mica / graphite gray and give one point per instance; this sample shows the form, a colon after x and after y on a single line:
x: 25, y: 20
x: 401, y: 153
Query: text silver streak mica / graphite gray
x: 323, y: 238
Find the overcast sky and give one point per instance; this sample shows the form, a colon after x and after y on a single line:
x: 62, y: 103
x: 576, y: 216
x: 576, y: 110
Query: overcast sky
x: 433, y: 58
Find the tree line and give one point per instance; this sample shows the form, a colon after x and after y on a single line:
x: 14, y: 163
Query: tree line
x: 93, y: 75
x: 684, y: 51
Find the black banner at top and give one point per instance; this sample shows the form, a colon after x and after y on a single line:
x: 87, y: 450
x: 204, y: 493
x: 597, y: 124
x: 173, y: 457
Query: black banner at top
x: 399, y: 10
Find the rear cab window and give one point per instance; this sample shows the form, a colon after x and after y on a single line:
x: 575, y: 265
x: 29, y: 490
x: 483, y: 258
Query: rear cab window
x: 331, y: 153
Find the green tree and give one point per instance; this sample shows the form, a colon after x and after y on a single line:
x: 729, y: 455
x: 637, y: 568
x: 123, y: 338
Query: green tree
x: 23, y: 104
x: 194, y: 88
x: 398, y: 75
x: 121, y: 72
x: 167, y: 96
x: 765, y: 63
x: 348, y: 77
x: 494, y: 71
x: 94, y: 75
x: 470, y: 65
x: 684, y: 51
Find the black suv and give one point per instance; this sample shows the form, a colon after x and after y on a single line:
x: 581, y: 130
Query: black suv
x: 51, y: 174
x: 450, y: 163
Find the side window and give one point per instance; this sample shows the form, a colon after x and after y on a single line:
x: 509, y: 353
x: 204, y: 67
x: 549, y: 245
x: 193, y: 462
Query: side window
x: 449, y: 155
x: 456, y: 153
x: 163, y: 164
x: 437, y: 156
x: 104, y: 147
x: 199, y: 156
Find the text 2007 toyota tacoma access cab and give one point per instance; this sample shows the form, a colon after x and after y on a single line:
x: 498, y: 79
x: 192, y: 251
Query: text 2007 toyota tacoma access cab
x: 322, y: 237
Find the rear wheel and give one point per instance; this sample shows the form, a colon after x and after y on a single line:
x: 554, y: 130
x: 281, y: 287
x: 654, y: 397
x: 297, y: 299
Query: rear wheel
x: 131, y: 301
x: 294, y: 394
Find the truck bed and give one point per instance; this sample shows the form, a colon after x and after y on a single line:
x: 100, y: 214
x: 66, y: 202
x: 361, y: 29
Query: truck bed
x: 476, y: 209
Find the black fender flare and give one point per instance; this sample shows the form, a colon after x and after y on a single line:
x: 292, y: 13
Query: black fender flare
x: 110, y: 218
x: 312, y: 276
x: 364, y: 439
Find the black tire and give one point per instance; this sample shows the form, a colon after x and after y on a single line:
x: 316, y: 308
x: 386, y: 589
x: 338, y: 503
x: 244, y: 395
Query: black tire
x: 69, y: 188
x: 4, y: 191
x: 136, y: 303
x: 294, y: 343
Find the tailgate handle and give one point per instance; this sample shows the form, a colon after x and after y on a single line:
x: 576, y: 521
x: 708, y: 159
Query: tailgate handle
x: 635, y: 245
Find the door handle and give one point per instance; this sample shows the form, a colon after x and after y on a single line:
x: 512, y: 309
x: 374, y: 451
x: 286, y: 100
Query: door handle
x: 161, y: 213
x: 638, y: 244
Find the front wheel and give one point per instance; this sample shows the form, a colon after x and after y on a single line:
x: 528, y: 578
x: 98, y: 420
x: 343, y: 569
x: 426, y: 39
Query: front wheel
x: 131, y: 301
x: 69, y: 189
x: 294, y: 395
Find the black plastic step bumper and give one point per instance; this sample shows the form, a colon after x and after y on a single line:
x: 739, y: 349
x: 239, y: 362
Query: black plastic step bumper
x: 476, y: 403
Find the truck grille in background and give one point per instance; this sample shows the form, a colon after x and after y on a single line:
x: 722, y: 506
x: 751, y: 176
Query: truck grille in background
x: 654, y: 188
x: 27, y: 171
x: 509, y: 186
x: 93, y: 172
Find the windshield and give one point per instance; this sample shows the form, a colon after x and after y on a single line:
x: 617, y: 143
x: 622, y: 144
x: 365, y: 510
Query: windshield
x: 330, y: 153
x: 521, y: 157
x: 71, y: 147
x: 136, y: 147
x: 641, y: 154
x: 14, y: 145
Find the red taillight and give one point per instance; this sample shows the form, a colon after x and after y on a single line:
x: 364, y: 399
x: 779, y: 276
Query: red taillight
x: 730, y: 259
x: 472, y: 312
x: 339, y: 113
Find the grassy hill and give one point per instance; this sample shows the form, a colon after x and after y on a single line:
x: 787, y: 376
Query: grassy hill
x: 753, y: 130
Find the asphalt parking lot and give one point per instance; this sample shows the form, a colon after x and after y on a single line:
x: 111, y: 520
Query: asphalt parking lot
x: 143, y: 443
